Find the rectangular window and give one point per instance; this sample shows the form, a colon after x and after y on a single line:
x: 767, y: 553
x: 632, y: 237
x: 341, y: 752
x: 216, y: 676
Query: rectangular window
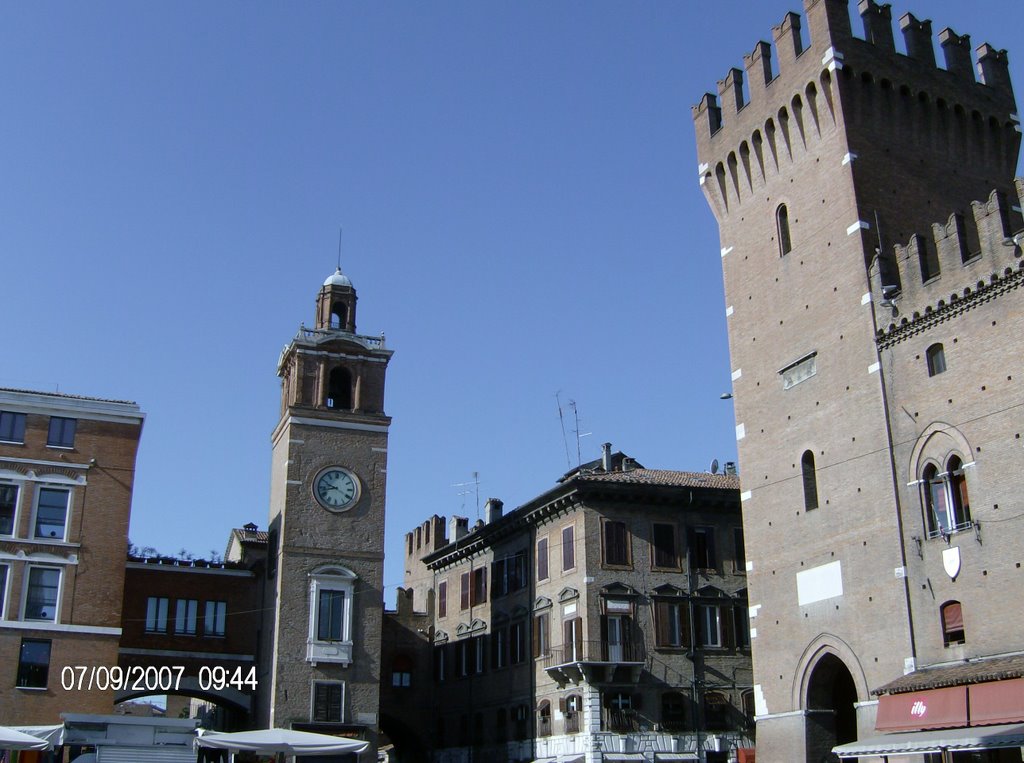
x: 499, y: 578
x: 508, y: 574
x: 52, y: 513
x: 702, y: 548
x: 572, y: 639
x: 541, y: 635
x: 568, y: 548
x: 41, y: 596
x: 542, y: 559
x: 499, y: 648
x: 479, y: 654
x: 62, y: 432
x: 215, y: 618
x: 616, y: 544
x: 740, y: 563
x: 479, y: 586
x: 464, y: 590
x: 442, y: 599
x: 664, y: 537
x: 330, y: 615
x: 710, y: 625
x: 440, y: 663
x: 186, y: 615
x: 8, y: 507
x: 328, y: 701
x: 156, y: 614
x: 12, y: 427
x: 742, y: 627
x: 3, y: 589
x: 33, y: 663
x: 673, y: 624
x: 517, y: 642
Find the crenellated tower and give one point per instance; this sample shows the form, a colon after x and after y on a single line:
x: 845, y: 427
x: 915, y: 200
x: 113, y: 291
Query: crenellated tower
x: 819, y: 157
x: 321, y: 659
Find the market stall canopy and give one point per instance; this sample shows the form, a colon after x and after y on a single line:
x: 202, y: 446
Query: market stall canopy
x: 12, y: 739
x: 920, y: 742
x: 52, y: 734
x: 287, y: 741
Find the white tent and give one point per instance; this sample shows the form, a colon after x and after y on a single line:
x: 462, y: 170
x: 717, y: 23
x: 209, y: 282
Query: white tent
x: 12, y: 739
x: 280, y: 742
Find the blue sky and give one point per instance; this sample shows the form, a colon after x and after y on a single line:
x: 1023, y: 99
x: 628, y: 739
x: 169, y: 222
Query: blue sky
x: 518, y: 188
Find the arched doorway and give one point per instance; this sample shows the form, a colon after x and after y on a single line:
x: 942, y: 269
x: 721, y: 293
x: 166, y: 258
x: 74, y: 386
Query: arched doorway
x: 831, y: 715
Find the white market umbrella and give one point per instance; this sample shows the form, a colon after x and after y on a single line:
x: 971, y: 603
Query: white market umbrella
x: 280, y: 742
x: 12, y: 739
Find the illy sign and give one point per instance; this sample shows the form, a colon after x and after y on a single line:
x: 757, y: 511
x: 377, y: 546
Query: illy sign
x: 918, y: 709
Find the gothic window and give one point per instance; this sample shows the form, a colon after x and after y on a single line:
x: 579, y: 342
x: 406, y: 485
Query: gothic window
x: 936, y: 359
x: 339, y: 390
x: 810, y: 481
x: 782, y: 222
x: 947, y: 504
x: 952, y: 623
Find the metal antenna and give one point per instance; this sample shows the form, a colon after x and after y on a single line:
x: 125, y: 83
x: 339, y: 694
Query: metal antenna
x: 576, y: 414
x: 561, y: 420
x: 339, y: 247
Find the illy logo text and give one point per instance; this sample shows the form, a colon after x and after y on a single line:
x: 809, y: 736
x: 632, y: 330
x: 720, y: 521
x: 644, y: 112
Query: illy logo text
x: 918, y: 709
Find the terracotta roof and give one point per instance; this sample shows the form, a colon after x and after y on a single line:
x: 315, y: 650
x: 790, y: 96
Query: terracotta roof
x: 972, y: 672
x: 251, y: 536
x: 664, y: 477
x: 69, y: 397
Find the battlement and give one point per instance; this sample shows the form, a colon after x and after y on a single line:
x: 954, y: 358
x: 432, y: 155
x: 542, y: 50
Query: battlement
x: 428, y: 537
x: 974, y: 256
x: 816, y: 65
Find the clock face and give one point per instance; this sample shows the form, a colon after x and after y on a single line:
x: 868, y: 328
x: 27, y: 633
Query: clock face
x: 336, y: 488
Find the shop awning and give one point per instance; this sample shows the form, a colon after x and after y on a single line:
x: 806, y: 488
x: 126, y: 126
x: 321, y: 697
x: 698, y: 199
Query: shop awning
x: 997, y: 702
x: 917, y: 710
x: 919, y: 742
x: 675, y: 757
x: 622, y: 757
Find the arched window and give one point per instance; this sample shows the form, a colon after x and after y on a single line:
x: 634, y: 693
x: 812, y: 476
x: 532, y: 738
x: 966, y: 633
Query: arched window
x: 544, y: 719
x: 673, y: 711
x: 338, y: 315
x: 946, y: 500
x: 782, y: 222
x: 339, y: 390
x: 936, y: 359
x: 573, y: 711
x: 748, y: 708
x: 810, y: 481
x: 952, y: 623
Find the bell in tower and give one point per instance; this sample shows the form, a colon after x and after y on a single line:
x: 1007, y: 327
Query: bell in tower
x: 336, y: 304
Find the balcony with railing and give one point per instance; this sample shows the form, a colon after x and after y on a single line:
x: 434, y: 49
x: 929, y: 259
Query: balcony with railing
x: 319, y: 336
x: 596, y: 663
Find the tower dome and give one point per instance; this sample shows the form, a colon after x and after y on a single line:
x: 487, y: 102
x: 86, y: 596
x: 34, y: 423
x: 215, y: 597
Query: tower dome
x: 337, y: 278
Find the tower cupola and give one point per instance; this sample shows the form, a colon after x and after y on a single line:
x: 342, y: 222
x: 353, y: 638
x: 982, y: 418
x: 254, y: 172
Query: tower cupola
x: 336, y: 304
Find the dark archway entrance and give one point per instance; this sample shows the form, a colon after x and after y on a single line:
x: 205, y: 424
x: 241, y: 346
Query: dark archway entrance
x: 831, y: 716
x: 407, y: 746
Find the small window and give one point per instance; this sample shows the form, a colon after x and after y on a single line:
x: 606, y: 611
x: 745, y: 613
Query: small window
x: 328, y: 701
x: 702, y: 548
x: 479, y: 594
x: 62, y: 432
x: 952, y: 624
x: 33, y: 663
x: 936, y: 359
x: 544, y: 719
x: 664, y: 546
x: 442, y: 599
x: 186, y: 615
x: 339, y: 390
x: 542, y: 559
x: 215, y: 619
x: 782, y: 222
x: 12, y: 427
x: 401, y: 672
x: 8, y: 508
x: 541, y: 635
x: 616, y: 544
x: 52, y: 513
x: 810, y: 480
x: 568, y: 548
x: 41, y: 595
x: 156, y: 614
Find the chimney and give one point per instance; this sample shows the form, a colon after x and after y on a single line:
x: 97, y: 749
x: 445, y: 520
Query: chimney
x: 606, y: 456
x: 628, y: 464
x: 730, y: 468
x: 492, y: 510
x: 458, y: 528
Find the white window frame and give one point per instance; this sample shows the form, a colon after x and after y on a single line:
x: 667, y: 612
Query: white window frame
x: 35, y: 511
x: 157, y: 619
x: 710, y: 613
x: 18, y: 486
x: 24, y: 593
x: 330, y: 578
x: 186, y: 617
x: 215, y: 618
x: 312, y: 700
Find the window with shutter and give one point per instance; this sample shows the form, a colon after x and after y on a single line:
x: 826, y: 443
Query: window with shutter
x: 664, y: 546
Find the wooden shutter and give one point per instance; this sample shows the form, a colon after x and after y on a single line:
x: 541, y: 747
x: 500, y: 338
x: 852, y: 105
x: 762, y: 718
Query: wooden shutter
x: 684, y: 624
x: 536, y: 635
x: 464, y: 589
x: 542, y: 559
x: 725, y: 622
x: 604, y: 637
x: 662, y: 613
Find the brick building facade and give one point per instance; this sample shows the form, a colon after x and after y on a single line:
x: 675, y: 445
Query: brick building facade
x: 603, y: 620
x: 67, y: 465
x: 867, y: 213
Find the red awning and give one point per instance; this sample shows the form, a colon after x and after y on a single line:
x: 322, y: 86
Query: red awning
x: 997, y: 702
x: 932, y: 709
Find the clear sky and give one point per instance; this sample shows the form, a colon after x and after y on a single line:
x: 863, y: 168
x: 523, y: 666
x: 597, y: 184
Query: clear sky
x: 517, y: 183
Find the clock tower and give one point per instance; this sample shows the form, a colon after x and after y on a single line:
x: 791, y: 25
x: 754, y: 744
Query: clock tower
x: 320, y: 658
